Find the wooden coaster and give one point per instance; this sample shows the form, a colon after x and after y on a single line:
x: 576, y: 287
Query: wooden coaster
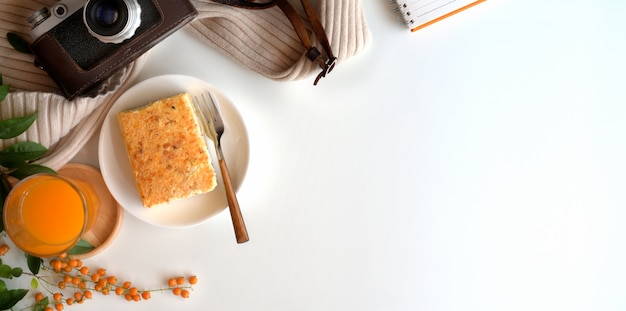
x: 110, y: 214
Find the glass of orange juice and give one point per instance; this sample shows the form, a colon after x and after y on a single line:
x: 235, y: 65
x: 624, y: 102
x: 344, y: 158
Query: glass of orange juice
x: 45, y: 215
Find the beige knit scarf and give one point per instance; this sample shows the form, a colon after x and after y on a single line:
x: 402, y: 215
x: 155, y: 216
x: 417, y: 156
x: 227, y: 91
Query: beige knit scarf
x: 262, y: 40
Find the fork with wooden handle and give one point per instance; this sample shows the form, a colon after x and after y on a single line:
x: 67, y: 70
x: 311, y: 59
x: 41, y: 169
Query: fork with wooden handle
x: 216, y: 130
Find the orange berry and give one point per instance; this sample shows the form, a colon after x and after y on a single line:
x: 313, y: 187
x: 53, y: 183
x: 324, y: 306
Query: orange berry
x: 67, y: 269
x: 4, y: 249
x: 69, y: 301
x: 95, y: 277
x: 61, y: 285
x: 63, y: 256
x: 105, y: 291
x: 79, y: 263
x: 180, y: 280
x: 57, y: 296
x: 112, y: 280
x: 72, y: 263
x: 98, y: 287
x: 57, y: 265
x: 171, y: 282
x: 193, y: 279
x: 67, y: 278
x: 38, y: 297
x: 133, y: 291
x: 145, y: 295
x: 128, y: 297
x: 84, y: 270
x: 126, y: 284
x: 82, y: 285
x: 78, y: 296
x: 102, y: 272
x: 135, y: 297
x: 88, y: 294
x: 177, y: 291
x: 58, y: 306
x: 48, y: 309
x: 119, y: 291
x: 75, y: 280
x: 184, y: 293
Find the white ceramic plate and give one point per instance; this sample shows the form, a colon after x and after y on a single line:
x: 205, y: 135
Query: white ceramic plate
x: 116, y: 169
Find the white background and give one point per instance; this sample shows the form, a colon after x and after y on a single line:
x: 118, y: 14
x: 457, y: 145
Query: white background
x: 478, y: 164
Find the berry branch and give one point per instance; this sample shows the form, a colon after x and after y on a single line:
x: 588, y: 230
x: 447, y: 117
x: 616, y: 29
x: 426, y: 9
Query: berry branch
x: 70, y: 282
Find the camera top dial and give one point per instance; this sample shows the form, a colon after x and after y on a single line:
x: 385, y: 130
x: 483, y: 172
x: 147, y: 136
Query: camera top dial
x: 43, y: 20
x: 112, y: 21
x: 38, y: 17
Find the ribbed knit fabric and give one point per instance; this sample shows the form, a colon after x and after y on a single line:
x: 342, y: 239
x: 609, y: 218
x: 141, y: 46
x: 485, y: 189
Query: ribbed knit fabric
x: 262, y: 40
x: 265, y: 41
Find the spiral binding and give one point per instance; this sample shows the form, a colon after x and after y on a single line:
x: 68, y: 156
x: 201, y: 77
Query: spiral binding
x: 401, y: 9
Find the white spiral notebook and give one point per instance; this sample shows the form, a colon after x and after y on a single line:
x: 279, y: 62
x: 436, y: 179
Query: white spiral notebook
x: 418, y: 14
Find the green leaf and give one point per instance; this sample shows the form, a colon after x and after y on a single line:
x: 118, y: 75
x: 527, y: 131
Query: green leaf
x: 30, y: 169
x: 17, y: 272
x: 11, y: 297
x: 1, y: 78
x: 12, y: 127
x: 3, y: 286
x: 34, y: 263
x: 27, y: 150
x: 80, y: 248
x: 34, y: 283
x: 5, y: 272
x: 19, y: 43
x: 4, y: 91
x: 41, y: 305
x: 11, y: 161
x: 20, y: 153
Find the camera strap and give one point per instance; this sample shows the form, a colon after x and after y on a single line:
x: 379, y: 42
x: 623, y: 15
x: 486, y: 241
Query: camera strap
x: 326, y: 63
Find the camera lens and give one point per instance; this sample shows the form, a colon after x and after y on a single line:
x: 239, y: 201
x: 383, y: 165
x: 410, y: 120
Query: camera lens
x: 109, y: 17
x: 112, y: 21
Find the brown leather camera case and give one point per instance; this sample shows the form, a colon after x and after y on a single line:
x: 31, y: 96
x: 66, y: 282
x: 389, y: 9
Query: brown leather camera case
x: 74, y: 80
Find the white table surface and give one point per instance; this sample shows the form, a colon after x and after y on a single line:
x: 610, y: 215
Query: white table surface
x: 478, y: 164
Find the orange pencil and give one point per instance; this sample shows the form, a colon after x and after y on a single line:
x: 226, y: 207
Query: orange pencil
x: 418, y: 14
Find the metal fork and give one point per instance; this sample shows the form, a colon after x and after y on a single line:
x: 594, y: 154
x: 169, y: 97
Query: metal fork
x: 214, y: 127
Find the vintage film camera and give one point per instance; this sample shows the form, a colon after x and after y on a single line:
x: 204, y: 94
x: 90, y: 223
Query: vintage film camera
x: 81, y: 43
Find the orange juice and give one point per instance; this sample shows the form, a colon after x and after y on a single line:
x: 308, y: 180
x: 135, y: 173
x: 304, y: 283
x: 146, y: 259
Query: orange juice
x: 45, y: 215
